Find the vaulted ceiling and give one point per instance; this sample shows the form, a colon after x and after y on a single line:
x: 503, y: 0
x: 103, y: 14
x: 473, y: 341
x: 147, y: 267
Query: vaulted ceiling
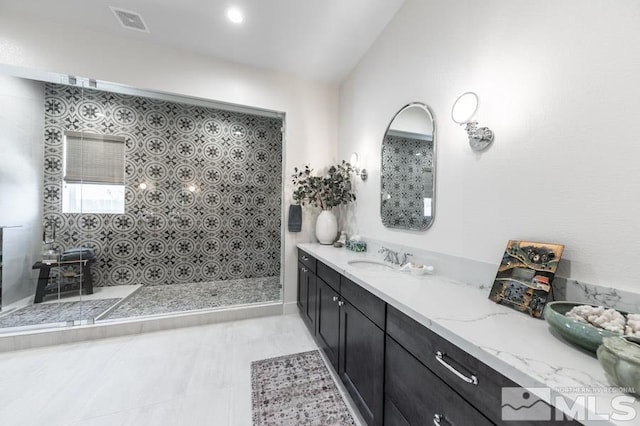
x: 317, y: 39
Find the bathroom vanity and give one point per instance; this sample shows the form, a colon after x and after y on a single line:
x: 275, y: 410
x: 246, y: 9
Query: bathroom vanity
x: 428, y: 350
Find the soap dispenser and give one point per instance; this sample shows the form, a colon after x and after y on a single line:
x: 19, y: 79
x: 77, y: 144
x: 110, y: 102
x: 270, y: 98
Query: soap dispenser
x: 342, y: 240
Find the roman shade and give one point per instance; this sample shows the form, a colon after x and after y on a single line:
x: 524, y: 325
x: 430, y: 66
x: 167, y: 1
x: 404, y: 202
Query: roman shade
x: 92, y: 158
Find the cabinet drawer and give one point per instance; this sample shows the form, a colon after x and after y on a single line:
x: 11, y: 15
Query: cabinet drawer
x: 416, y: 396
x: 373, y: 307
x: 307, y: 260
x: 329, y: 276
x: 425, y: 345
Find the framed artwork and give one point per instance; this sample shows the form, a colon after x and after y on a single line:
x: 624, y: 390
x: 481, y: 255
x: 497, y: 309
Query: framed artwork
x: 524, y: 276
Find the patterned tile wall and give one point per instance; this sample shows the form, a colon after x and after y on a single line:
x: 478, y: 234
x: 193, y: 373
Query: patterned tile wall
x: 408, y: 179
x: 228, y: 228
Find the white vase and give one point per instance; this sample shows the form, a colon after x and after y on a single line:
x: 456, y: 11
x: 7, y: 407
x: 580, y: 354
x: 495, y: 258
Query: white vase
x: 327, y: 227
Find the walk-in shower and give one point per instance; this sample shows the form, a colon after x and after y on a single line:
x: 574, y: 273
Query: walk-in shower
x: 160, y: 204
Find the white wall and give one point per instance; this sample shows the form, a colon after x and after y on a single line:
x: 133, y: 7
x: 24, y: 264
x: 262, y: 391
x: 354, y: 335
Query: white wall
x: 21, y: 183
x: 310, y: 107
x: 559, y: 83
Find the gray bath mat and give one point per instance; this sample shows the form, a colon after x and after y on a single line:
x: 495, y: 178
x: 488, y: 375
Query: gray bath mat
x: 296, y: 389
x: 47, y: 313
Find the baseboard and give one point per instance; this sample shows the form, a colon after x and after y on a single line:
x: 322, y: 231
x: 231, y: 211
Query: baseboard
x: 50, y: 337
x: 290, y: 308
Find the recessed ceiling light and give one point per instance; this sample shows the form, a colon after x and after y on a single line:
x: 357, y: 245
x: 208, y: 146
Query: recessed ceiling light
x: 235, y: 15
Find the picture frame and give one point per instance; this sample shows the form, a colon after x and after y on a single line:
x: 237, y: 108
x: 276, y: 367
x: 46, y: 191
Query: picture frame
x: 525, y: 274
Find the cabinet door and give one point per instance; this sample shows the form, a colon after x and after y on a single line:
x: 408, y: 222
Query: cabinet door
x: 328, y: 321
x: 302, y: 288
x: 416, y: 396
x: 307, y: 296
x: 361, y: 363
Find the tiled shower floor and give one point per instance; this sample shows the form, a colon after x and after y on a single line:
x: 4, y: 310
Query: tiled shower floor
x: 163, y: 299
x: 53, y: 313
x: 105, y: 303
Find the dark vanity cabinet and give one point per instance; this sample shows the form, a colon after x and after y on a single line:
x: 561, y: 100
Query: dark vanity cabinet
x: 328, y: 324
x: 361, y: 364
x: 429, y: 380
x: 307, y: 289
x: 426, y: 378
x: 349, y: 327
x: 397, y: 371
x: 416, y: 396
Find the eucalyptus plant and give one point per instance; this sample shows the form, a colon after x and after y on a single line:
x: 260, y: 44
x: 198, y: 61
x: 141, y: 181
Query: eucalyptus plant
x: 327, y: 191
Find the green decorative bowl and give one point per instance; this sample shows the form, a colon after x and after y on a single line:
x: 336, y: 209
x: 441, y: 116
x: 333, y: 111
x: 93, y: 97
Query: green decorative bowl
x: 584, y: 335
x: 620, y: 358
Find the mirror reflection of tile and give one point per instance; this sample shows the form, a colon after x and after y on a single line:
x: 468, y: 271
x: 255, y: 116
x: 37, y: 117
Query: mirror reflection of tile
x: 408, y: 179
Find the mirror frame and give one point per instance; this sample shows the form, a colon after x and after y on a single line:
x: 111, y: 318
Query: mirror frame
x: 430, y: 115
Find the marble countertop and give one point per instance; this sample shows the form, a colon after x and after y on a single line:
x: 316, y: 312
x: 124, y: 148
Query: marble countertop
x: 520, y: 347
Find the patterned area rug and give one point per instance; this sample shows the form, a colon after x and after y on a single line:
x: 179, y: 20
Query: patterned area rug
x: 163, y: 299
x: 296, y: 389
x: 47, y: 313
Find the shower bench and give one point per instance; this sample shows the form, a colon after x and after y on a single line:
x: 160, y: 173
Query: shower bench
x: 84, y: 279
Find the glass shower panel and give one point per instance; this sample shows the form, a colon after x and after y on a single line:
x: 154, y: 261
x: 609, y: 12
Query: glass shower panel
x: 84, y: 168
x: 21, y: 188
x: 92, y: 191
x: 110, y: 239
x: 54, y: 303
x: 141, y: 238
x: 190, y: 274
x: 192, y: 219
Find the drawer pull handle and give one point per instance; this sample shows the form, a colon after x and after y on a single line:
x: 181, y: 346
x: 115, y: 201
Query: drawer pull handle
x: 305, y: 258
x: 436, y: 419
x: 440, y: 358
x: 335, y: 298
x: 340, y: 303
x: 305, y: 270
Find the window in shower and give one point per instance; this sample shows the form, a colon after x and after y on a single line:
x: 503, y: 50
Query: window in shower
x: 93, y: 173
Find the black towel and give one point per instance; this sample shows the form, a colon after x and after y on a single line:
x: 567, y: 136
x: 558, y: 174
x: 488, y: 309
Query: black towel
x: 295, y: 218
x: 78, y: 253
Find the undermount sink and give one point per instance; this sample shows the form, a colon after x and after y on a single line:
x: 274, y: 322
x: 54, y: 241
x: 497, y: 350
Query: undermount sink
x: 372, y: 265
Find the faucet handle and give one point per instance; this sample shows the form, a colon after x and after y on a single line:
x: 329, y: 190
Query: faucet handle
x: 405, y: 256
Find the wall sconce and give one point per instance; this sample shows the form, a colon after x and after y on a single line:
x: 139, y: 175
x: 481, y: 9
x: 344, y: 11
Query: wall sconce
x: 354, y: 161
x: 463, y: 111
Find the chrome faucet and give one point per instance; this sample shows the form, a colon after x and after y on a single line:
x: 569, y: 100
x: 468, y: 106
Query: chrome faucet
x: 389, y: 255
x: 394, y: 256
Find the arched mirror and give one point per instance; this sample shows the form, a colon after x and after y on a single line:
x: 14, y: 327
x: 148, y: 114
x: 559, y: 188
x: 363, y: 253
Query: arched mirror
x: 408, y: 168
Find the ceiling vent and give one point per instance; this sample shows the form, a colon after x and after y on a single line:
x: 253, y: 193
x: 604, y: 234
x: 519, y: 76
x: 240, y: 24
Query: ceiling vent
x: 130, y: 20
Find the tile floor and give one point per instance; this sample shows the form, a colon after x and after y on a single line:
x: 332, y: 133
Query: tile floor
x: 189, y: 376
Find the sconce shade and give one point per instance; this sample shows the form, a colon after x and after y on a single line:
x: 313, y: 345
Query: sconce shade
x: 354, y: 160
x: 463, y: 112
x: 464, y: 108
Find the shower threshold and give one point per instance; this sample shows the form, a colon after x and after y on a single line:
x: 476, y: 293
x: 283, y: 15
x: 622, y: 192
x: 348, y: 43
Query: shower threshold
x: 35, y: 338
